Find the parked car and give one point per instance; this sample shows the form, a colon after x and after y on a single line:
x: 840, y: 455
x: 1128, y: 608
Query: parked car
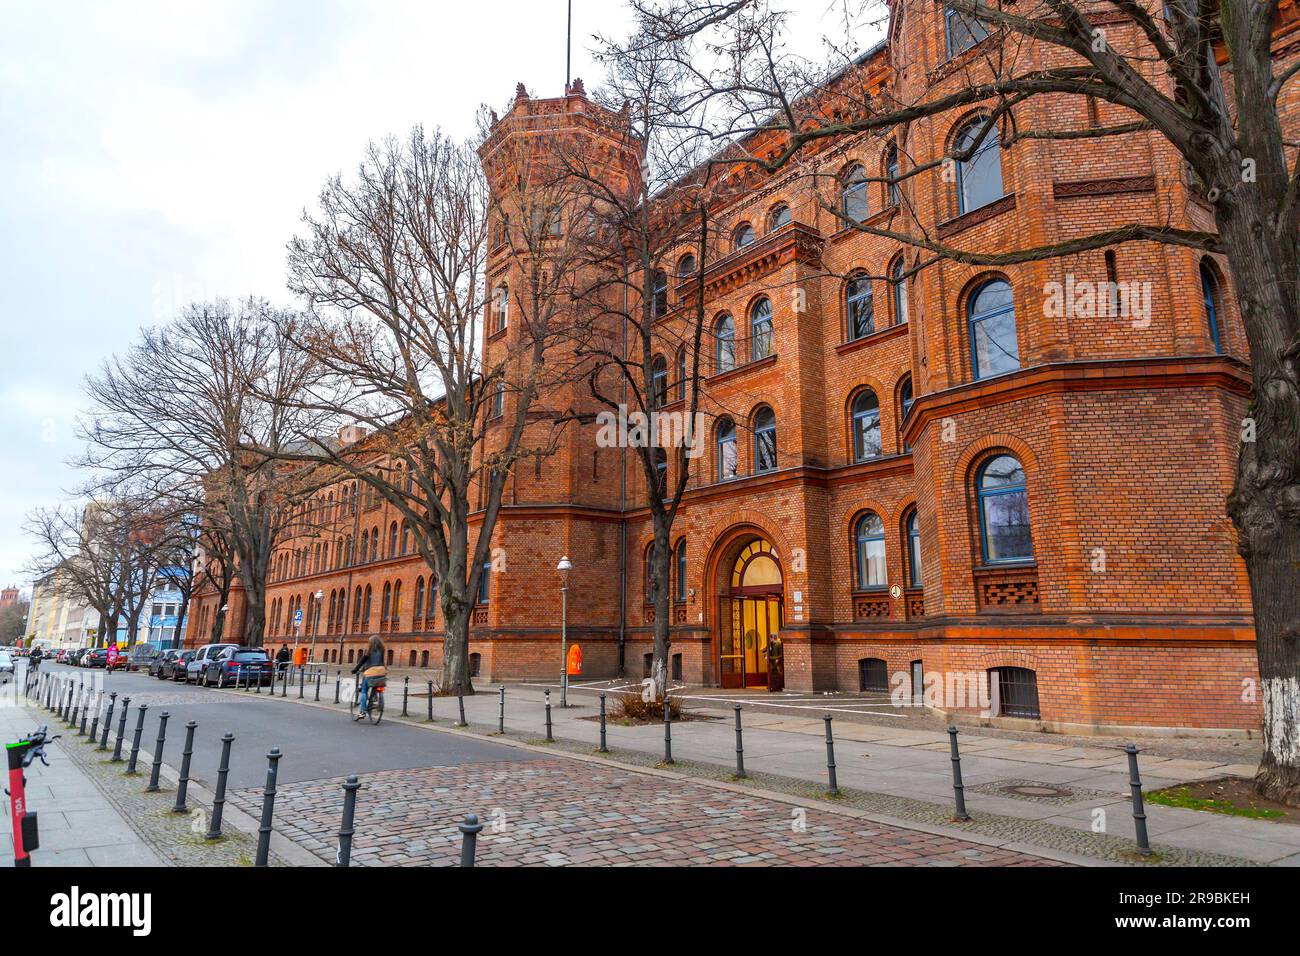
x: 6, y: 663
x: 198, y: 664
x: 139, y: 657
x: 156, y: 665
x: 96, y: 657
x: 236, y: 665
x: 74, y: 656
x: 173, y: 668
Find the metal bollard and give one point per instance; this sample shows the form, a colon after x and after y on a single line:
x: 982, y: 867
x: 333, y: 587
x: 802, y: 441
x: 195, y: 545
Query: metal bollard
x: 430, y: 701
x: 344, y: 855
x: 338, y: 684
x: 740, y: 747
x: 219, y: 801
x: 549, y: 738
x: 603, y: 749
x: 85, y: 717
x: 1139, y: 812
x: 108, y: 720
x: 406, y: 690
x: 135, y: 741
x: 958, y: 791
x: 284, y: 683
x: 268, y: 808
x: 182, y: 788
x: 833, y: 788
x: 157, y: 753
x: 121, y: 731
x: 668, y: 732
x: 501, y: 711
x: 460, y: 701
x: 77, y: 693
x: 302, y: 678
x: 318, y: 686
x: 469, y: 831
x: 94, y: 721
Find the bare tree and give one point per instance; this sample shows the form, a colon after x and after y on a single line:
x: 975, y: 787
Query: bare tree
x: 392, y: 264
x: 1202, y: 77
x: 182, y: 408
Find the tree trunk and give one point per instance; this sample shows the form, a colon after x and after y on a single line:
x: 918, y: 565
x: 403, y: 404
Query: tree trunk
x: 456, y: 613
x: 663, y: 604
x: 1265, y: 502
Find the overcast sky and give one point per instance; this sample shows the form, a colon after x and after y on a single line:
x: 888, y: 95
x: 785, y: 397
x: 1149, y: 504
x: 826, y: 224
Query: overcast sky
x: 154, y: 153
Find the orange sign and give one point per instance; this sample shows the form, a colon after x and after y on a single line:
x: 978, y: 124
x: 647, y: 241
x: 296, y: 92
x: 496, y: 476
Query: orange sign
x: 574, y: 662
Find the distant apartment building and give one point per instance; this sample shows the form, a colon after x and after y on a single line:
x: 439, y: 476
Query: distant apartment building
x: 57, y: 619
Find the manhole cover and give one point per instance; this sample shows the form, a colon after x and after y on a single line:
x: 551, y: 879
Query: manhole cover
x: 1027, y: 790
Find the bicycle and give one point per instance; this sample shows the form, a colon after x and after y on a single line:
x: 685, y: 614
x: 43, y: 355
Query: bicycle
x: 20, y: 756
x: 375, y: 703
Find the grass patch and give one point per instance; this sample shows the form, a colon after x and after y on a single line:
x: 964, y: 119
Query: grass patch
x: 1184, y: 799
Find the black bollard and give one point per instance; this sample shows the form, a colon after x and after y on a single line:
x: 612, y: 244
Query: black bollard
x: 501, y: 711
x: 77, y: 693
x: 344, y: 855
x: 740, y: 747
x: 284, y: 683
x: 406, y: 690
x: 1139, y: 812
x: 157, y: 753
x: 121, y: 730
x: 338, y: 683
x: 958, y: 791
x: 469, y: 831
x: 268, y: 808
x: 108, y: 720
x: 219, y: 801
x: 302, y: 678
x: 668, y: 732
x: 135, y: 741
x: 549, y: 738
x: 833, y: 788
x: 318, y: 686
x: 603, y: 749
x: 94, y: 721
x: 460, y: 700
x: 182, y: 788
x: 430, y: 701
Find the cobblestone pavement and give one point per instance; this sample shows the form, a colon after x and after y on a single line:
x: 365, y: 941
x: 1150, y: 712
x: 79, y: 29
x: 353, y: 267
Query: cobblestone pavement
x: 177, y: 837
x: 558, y: 812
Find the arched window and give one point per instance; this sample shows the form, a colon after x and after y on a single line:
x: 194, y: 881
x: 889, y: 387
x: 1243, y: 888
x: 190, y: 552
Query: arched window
x: 659, y: 300
x: 406, y: 537
x: 365, y: 612
x: 853, y: 194
x: 354, y: 497
x: 392, y: 540
x: 979, y: 175
x: 726, y: 447
x: 417, y: 609
x: 866, y: 426
x: 764, y: 439
x: 994, y: 346
x: 870, y: 539
x: 1210, y: 296
x: 760, y: 328
x: 905, y: 401
x: 1004, y: 511
x: 891, y: 174
x: 397, y: 603
x: 858, y: 308
x: 873, y: 675
x: 329, y: 620
x: 681, y: 375
x: 348, y: 555
x: 962, y: 32
x: 686, y: 266
x: 1017, y: 689
x: 431, y: 603
x: 343, y: 609
x: 898, y: 283
x: 648, y: 567
x: 681, y: 570
x: 356, y: 611
x: 724, y: 337
x: 778, y: 217
x: 386, y: 607
x: 485, y: 583
x: 661, y: 472
x: 744, y: 235
x: 658, y: 382
x: 498, y: 400
x: 502, y: 308
x: 913, y: 530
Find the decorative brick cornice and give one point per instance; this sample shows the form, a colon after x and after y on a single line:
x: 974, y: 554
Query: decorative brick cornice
x: 976, y: 216
x: 794, y: 242
x: 1069, y: 189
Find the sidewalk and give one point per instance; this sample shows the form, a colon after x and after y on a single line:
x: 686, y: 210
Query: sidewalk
x: 905, y: 773
x: 78, y: 826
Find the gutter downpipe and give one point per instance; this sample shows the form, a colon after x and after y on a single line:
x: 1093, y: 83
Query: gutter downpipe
x: 622, y: 506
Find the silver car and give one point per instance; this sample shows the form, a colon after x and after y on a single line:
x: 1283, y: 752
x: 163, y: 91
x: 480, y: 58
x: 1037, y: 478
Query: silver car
x: 6, y: 666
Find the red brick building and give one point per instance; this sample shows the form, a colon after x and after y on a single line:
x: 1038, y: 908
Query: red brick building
x: 1008, y: 479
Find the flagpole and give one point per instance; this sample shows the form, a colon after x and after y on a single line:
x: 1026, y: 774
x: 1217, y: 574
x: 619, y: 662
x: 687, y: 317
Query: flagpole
x: 568, y: 50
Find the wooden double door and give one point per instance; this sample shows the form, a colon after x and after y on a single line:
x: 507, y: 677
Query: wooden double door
x: 746, y: 652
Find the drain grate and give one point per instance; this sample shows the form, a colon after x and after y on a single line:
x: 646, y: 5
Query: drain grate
x: 1039, y: 791
x: 1034, y: 790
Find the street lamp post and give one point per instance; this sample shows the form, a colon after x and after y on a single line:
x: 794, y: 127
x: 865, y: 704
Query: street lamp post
x: 320, y: 595
x: 564, y: 567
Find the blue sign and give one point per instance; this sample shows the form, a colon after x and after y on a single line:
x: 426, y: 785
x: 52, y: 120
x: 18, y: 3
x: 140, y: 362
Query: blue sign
x: 297, y: 618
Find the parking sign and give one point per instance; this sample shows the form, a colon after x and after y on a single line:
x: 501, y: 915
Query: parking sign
x: 297, y: 618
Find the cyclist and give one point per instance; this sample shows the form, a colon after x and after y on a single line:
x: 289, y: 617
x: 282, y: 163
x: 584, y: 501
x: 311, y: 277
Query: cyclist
x: 371, y: 667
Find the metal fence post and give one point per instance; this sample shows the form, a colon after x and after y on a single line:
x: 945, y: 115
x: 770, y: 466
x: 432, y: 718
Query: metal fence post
x: 469, y: 831
x: 833, y: 787
x: 668, y: 732
x: 182, y: 788
x: 338, y: 684
x: 740, y: 747
x: 406, y: 690
x: 1139, y: 812
x: 108, y: 720
x: 603, y: 749
x: 219, y: 800
x: 549, y: 738
x: 318, y: 673
x: 460, y: 702
x: 501, y: 710
x: 429, y: 701
x: 157, y: 753
x: 958, y: 790
x: 135, y: 740
x: 268, y: 807
x: 344, y: 855
x: 121, y: 730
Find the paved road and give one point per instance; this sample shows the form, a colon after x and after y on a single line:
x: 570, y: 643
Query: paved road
x: 316, y: 744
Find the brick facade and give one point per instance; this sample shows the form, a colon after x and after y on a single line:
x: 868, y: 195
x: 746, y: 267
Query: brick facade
x: 1135, y: 608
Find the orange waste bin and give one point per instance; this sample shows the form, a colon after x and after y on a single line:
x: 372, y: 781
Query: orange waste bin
x: 574, y: 663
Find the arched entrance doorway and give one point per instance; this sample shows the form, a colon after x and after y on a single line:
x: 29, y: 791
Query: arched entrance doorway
x: 749, y: 616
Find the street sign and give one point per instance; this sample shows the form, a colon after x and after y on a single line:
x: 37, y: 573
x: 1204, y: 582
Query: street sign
x: 297, y: 618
